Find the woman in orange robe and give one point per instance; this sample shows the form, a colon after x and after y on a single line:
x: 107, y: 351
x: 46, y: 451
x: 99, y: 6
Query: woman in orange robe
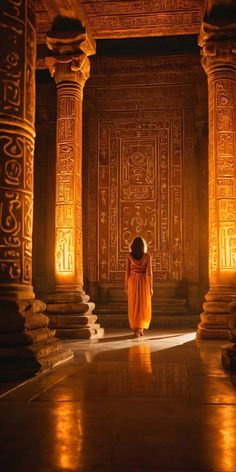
x: 138, y: 285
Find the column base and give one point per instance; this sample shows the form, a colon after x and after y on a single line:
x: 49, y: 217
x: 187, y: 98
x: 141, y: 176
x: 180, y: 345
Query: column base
x: 70, y: 314
x: 214, y: 326
x: 27, y: 345
x: 214, y: 322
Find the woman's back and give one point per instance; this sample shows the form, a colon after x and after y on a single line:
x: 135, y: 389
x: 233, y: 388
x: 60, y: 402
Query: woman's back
x: 139, y: 288
x: 139, y: 264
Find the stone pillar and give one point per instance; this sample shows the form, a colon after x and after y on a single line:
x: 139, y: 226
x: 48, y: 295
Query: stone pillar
x: 69, y: 308
x: 219, y: 61
x: 27, y: 345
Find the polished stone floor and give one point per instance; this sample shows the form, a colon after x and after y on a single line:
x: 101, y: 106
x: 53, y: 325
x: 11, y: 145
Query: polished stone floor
x: 157, y: 403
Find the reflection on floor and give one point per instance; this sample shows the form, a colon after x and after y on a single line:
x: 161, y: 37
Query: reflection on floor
x: 157, y: 403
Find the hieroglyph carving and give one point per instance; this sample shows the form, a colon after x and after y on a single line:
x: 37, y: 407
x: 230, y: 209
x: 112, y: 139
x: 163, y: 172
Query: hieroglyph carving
x: 17, y: 96
x: 220, y: 64
x: 141, y: 167
x: 140, y: 182
x: 65, y: 183
x: 119, y: 18
x: 70, y: 76
x: 224, y: 140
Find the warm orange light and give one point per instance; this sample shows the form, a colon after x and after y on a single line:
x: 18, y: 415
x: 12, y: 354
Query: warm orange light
x: 226, y: 422
x: 140, y: 358
x: 68, y: 436
x: 65, y: 263
x: 140, y: 369
x: 227, y: 247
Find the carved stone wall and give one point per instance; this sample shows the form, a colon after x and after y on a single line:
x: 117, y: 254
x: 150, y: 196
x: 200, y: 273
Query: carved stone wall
x: 140, y: 182
x: 141, y: 168
x: 123, y: 19
x: 142, y: 18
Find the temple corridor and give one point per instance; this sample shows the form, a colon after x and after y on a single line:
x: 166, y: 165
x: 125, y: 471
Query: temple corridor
x: 160, y: 403
x: 117, y: 121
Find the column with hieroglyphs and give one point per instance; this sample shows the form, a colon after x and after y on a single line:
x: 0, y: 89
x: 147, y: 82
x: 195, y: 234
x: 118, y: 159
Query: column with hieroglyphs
x: 69, y: 308
x: 27, y: 345
x: 219, y: 61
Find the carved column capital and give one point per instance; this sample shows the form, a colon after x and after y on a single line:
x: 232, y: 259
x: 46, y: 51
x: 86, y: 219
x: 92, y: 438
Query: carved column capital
x: 217, y: 36
x: 218, y: 56
x: 69, y: 60
x: 69, y: 68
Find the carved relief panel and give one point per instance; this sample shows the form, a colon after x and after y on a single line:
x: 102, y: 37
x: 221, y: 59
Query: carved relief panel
x: 140, y: 193
x: 142, y: 18
x: 141, y: 166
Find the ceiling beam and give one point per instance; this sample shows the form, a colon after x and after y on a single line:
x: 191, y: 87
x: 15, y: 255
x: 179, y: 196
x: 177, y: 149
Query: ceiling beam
x: 68, y: 9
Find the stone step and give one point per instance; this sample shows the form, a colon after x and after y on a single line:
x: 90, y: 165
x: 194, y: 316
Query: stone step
x: 71, y: 320
x: 121, y: 321
x: 27, y: 320
x: 20, y: 370
x: 39, y: 350
x: 55, y: 358
x: 26, y: 337
x: 70, y: 307
x: 155, y: 301
x: 156, y: 309
x: 88, y: 332
x: 215, y: 332
x: 64, y: 297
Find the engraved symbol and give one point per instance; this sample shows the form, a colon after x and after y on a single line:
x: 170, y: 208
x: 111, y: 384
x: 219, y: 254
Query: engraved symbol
x: 103, y: 264
x: 13, y: 172
x: 103, y: 199
x: 12, y: 60
x: 11, y: 94
x: 103, y: 246
x: 13, y: 146
x: 103, y: 217
x: 8, y: 220
x: 13, y: 269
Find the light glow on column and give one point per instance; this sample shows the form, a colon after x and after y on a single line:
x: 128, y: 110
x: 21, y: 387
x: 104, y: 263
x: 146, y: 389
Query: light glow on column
x: 65, y: 263
x: 227, y: 248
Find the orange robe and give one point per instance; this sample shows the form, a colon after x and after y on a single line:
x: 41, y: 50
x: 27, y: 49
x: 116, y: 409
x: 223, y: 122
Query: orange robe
x: 138, y: 283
